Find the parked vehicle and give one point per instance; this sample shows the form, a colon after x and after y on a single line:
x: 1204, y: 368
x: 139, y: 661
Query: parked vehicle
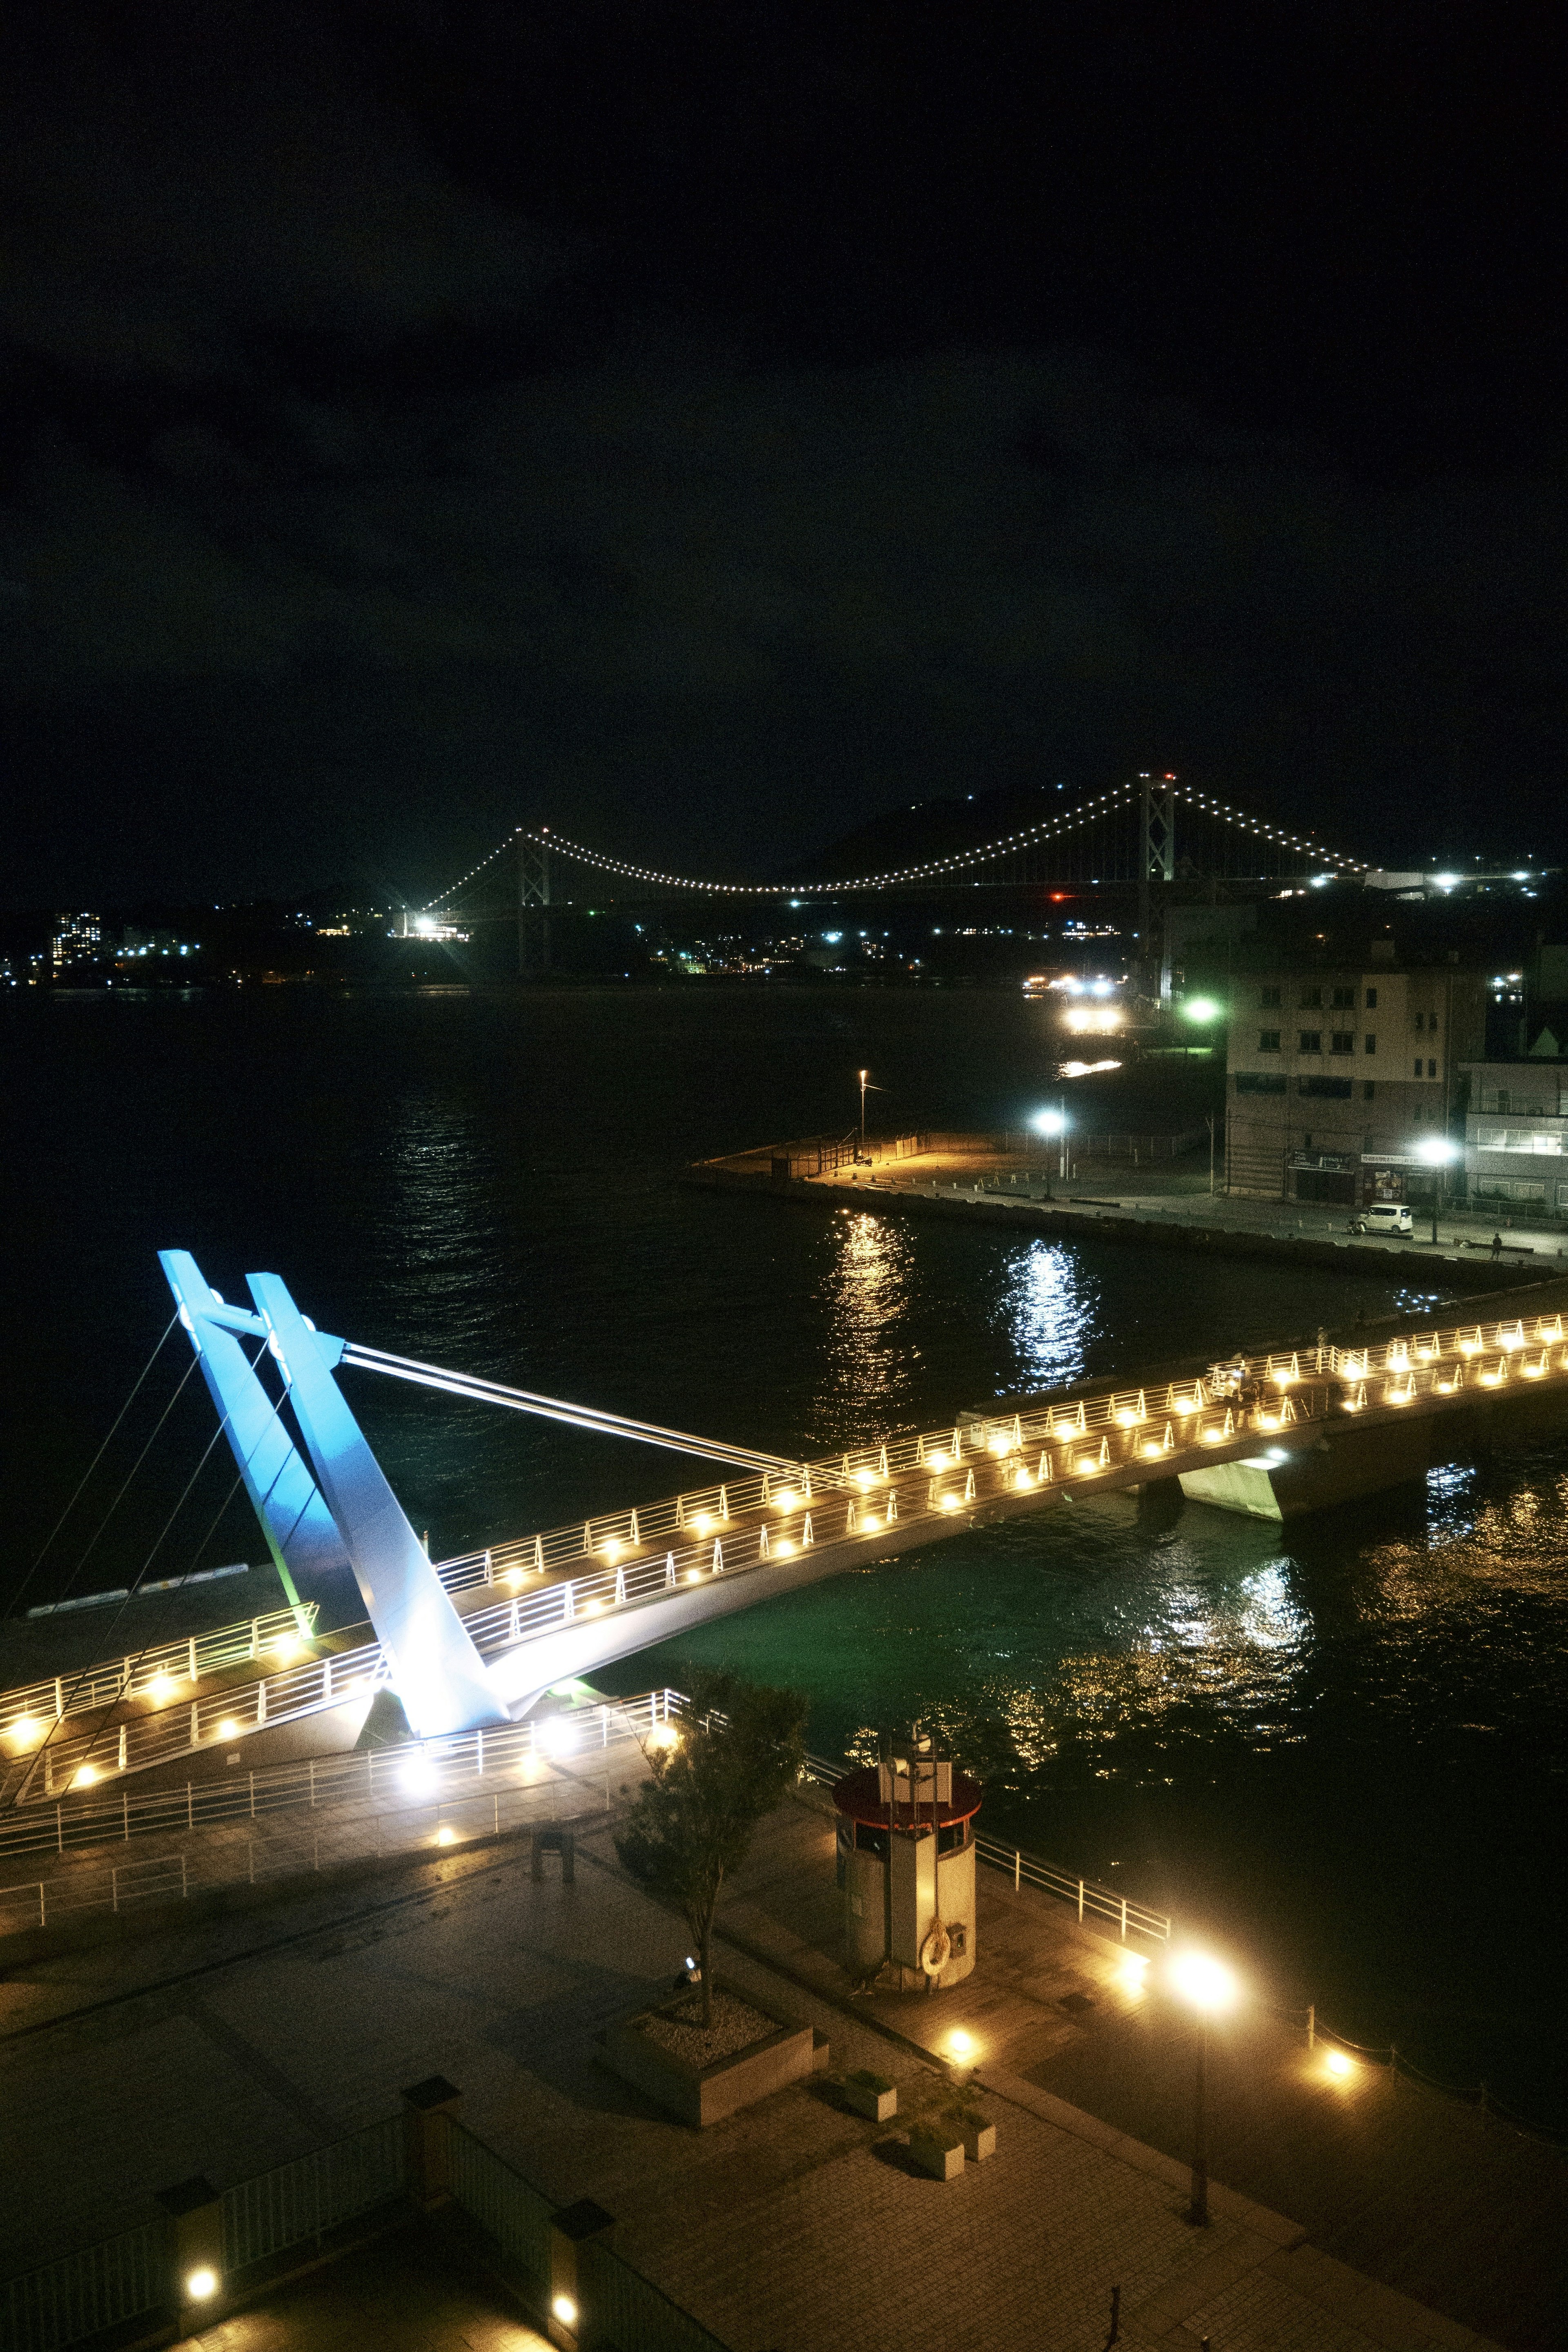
x: 1384, y: 1217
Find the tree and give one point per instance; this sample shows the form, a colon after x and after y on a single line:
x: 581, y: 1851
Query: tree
x: 736, y: 1750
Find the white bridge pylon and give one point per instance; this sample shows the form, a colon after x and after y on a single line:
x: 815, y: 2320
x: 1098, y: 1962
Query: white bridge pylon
x: 347, y: 1514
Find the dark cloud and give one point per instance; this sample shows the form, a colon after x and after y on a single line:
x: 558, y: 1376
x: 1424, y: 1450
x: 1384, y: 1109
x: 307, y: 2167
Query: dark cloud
x: 360, y: 508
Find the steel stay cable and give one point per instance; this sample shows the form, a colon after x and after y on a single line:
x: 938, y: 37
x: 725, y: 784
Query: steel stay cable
x: 136, y: 1583
x: 87, y: 1474
x: 135, y: 1467
x: 609, y: 1424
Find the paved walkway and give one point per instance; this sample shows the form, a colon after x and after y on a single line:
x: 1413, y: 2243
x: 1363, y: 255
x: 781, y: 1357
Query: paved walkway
x: 795, y: 2226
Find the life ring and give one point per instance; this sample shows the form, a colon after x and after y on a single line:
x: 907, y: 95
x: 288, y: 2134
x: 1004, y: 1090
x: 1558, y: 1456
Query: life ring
x: 936, y: 1951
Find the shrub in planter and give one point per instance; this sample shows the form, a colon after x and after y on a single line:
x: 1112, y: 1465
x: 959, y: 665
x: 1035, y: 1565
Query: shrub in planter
x: 937, y: 2148
x: 969, y: 2124
x: 872, y: 2095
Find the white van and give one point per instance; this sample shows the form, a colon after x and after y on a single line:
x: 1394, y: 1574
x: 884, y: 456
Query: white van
x: 1384, y: 1217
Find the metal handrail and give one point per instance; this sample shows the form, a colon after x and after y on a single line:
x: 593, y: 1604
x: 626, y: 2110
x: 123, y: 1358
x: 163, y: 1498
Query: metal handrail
x: 1419, y: 1362
x: 1027, y: 1869
x: 113, y: 1680
x: 319, y: 1780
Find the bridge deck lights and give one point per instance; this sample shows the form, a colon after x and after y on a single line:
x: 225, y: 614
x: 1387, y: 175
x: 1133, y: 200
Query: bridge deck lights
x: 951, y: 1503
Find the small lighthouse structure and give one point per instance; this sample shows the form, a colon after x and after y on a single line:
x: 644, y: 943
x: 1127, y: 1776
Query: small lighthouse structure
x: 906, y: 1865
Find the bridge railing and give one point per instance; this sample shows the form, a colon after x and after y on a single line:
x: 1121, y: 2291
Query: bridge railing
x: 442, y: 1775
x: 152, y: 1672
x: 624, y: 1559
x: 615, y: 1557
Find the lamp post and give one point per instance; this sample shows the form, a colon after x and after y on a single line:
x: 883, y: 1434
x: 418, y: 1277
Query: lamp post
x: 1208, y: 1988
x: 1437, y: 1150
x: 1055, y: 1122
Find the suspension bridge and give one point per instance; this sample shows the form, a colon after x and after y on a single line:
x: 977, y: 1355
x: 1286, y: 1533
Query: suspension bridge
x: 1149, y: 833
x: 468, y: 1645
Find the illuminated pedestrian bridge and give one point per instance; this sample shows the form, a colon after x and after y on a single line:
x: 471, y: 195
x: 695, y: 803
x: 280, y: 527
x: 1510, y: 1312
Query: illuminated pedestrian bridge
x: 475, y: 1641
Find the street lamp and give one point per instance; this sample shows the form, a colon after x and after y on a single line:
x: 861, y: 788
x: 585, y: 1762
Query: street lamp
x: 1055, y: 1122
x: 1209, y: 1988
x: 868, y: 1087
x: 1201, y: 1009
x: 1436, y: 1151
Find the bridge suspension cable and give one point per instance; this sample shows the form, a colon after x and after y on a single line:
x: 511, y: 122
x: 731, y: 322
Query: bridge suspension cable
x: 576, y: 1416
x: 1120, y: 800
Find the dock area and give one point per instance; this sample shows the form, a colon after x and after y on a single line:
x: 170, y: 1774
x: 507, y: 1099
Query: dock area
x: 1158, y: 1202
x: 1345, y: 2217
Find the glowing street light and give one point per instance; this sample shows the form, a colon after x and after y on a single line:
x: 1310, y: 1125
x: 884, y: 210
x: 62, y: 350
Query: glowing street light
x: 1437, y: 1152
x: 1202, y: 1009
x: 1208, y: 1986
x: 1055, y: 1122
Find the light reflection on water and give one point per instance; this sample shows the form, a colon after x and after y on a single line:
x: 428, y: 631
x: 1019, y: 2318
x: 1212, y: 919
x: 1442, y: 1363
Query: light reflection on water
x: 869, y: 1363
x: 1052, y: 1308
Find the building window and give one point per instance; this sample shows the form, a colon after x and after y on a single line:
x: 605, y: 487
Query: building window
x: 1421, y: 1021
x: 1371, y: 1041
x: 1368, y: 1090
x: 1504, y: 1101
x: 1371, y: 1000
x: 1312, y: 1042
x: 1341, y: 1040
x: 1311, y: 998
x: 1268, y: 997
x: 1268, y: 1041
x: 1339, y: 1089
x: 1432, y: 1022
x: 1260, y: 1082
x: 1431, y: 1069
x: 1418, y: 1066
x: 1343, y: 999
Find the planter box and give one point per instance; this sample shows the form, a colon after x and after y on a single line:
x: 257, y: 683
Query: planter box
x: 979, y: 2145
x: 938, y: 2152
x: 705, y: 2095
x: 877, y: 2107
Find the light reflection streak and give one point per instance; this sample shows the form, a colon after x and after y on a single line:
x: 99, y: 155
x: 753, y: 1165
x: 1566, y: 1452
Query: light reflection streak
x: 1050, y: 1311
x: 868, y: 1292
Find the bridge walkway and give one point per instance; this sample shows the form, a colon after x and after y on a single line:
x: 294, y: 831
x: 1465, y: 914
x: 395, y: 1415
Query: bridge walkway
x: 544, y: 1608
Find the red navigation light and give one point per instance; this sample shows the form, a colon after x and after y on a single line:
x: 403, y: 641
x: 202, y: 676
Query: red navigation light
x: 1056, y: 896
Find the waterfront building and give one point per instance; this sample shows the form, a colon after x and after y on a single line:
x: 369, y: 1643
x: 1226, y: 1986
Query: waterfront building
x: 1516, y: 1132
x: 1338, y: 1072
x: 74, y: 939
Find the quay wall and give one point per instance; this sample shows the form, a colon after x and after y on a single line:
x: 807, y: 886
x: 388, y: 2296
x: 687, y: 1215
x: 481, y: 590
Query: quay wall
x: 1479, y: 1274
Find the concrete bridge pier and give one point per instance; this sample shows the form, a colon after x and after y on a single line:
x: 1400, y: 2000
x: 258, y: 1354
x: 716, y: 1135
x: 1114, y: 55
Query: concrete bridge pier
x: 1341, y: 1461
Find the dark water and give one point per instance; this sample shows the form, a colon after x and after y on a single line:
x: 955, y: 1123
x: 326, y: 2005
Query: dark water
x: 1343, y: 1748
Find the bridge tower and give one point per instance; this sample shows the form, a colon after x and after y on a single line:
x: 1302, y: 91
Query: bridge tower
x: 1156, y: 863
x: 532, y: 899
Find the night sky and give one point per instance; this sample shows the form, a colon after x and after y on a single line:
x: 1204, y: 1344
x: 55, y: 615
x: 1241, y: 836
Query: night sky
x: 711, y: 426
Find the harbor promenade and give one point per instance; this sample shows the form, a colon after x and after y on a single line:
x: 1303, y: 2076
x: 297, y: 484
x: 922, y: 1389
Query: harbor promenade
x: 1161, y: 1204
x: 1341, y: 2223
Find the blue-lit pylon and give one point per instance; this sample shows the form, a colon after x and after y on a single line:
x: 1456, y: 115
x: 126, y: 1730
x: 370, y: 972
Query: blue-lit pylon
x: 436, y: 1670
x: 300, y: 1532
